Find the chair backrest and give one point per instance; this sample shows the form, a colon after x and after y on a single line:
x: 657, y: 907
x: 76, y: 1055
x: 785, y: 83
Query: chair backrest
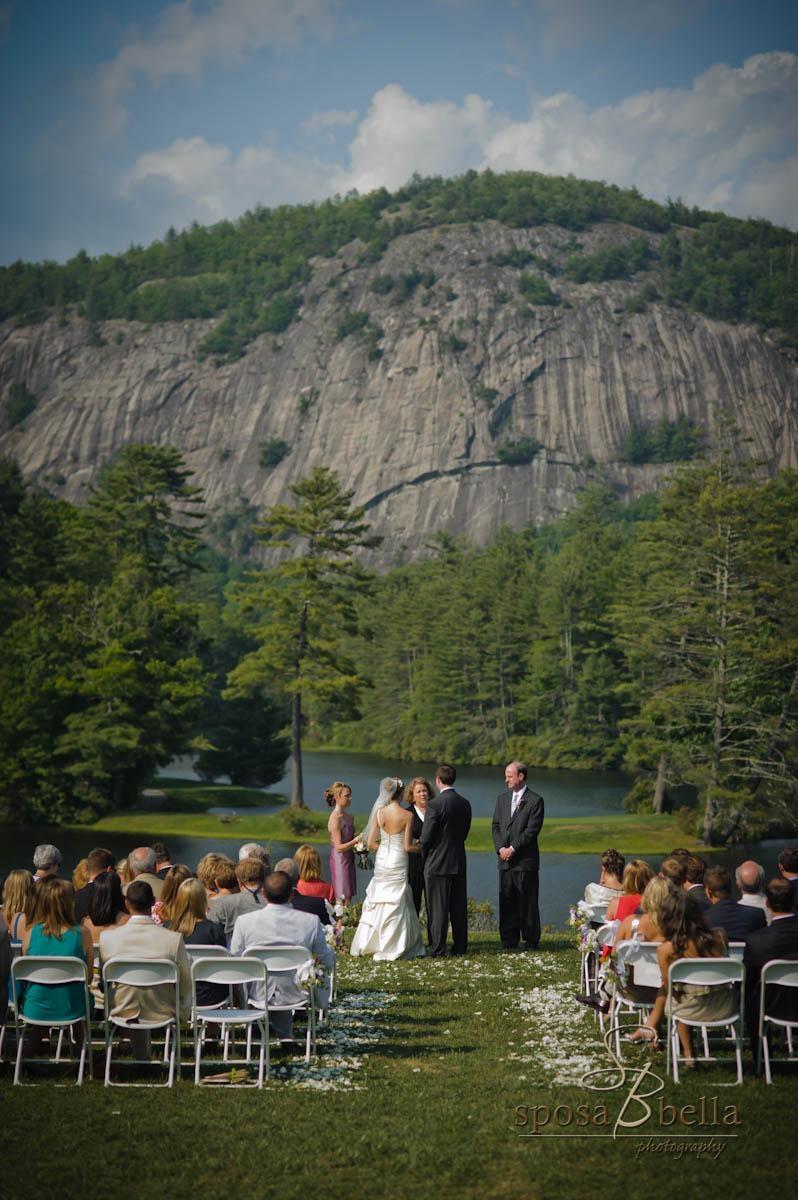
x: 213, y: 951
x: 706, y: 972
x: 641, y: 957
x: 605, y: 936
x: 52, y: 972
x: 736, y: 951
x: 597, y: 912
x: 140, y: 972
x: 783, y: 971
x: 280, y: 959
x: 228, y: 971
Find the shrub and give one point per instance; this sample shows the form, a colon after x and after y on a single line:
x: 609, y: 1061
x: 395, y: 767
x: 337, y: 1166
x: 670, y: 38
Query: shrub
x: 351, y: 322
x: 272, y: 452
x: 381, y: 284
x: 481, y: 918
x: 615, y: 263
x: 535, y: 289
x: 667, y: 441
x: 454, y: 343
x: 300, y: 822
x: 518, y: 453
x: 20, y: 403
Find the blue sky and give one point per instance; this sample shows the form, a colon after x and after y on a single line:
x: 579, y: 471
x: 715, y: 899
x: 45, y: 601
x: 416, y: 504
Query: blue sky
x: 124, y: 118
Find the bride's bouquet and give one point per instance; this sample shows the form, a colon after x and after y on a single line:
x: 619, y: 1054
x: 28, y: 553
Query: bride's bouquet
x: 362, y: 856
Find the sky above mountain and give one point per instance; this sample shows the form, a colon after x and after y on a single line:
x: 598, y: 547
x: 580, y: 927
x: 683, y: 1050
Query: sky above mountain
x: 122, y: 119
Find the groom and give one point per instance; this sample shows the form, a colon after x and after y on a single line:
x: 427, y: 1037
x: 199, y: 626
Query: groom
x: 446, y: 827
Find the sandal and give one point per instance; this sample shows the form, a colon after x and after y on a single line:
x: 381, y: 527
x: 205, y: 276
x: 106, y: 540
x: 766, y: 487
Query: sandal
x: 644, y: 1035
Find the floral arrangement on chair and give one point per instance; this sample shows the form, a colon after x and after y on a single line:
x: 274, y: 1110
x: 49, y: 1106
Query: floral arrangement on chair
x: 579, y: 919
x: 311, y: 975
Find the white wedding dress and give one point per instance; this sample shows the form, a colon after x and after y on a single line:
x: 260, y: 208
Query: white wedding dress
x: 388, y: 926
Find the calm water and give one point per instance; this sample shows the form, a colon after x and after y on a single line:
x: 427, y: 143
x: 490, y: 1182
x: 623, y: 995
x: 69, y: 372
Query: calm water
x: 567, y: 793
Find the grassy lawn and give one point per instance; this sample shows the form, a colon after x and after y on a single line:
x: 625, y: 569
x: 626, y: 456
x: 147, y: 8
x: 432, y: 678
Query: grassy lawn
x: 184, y: 812
x: 416, y: 1093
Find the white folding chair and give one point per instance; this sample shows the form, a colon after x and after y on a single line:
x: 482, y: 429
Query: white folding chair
x: 142, y: 973
x: 736, y: 951
x: 784, y: 972
x: 597, y: 913
x: 705, y: 972
x: 283, y: 962
x: 199, y: 951
x: 639, y: 958
x: 605, y: 936
x: 51, y: 972
x: 232, y: 972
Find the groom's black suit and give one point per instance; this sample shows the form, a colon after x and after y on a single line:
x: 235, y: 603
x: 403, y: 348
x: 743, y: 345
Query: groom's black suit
x: 446, y: 825
x: 518, y: 877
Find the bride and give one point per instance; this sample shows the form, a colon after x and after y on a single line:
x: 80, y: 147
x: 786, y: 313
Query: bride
x: 388, y: 926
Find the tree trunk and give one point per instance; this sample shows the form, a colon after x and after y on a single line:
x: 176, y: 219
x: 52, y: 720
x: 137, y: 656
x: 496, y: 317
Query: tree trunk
x: 297, y: 797
x: 661, y: 786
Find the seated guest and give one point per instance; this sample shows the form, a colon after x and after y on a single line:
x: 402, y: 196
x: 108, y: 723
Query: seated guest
x: 686, y: 936
x: 255, y: 850
x: 55, y: 933
x: 98, y: 861
x: 225, y: 880
x: 124, y: 873
x: 610, y: 884
x: 162, y: 909
x: 308, y: 904
x: 674, y: 869
x: 189, y: 917
x: 277, y: 923
x: 141, y: 938
x: 311, y: 883
x: 644, y: 926
x: 163, y: 859
x: 778, y: 940
x: 750, y: 878
x: 207, y: 868
x: 694, y: 881
x: 736, y: 920
x: 250, y: 873
x: 6, y: 954
x: 141, y: 864
x: 17, y: 894
x: 788, y: 869
x: 106, y: 906
x: 46, y: 861
x: 636, y: 876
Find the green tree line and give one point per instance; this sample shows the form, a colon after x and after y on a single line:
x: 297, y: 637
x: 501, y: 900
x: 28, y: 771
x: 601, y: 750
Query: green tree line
x: 250, y: 273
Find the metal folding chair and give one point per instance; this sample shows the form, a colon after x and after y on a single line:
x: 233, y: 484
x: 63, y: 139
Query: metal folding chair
x: 284, y: 962
x: 232, y: 972
x: 706, y: 972
x: 142, y: 973
x: 51, y: 972
x: 784, y: 972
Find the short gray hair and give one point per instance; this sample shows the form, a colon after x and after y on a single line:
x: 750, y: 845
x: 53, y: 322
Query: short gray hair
x: 46, y: 856
x: 255, y: 850
x: 290, y: 868
x: 141, y: 860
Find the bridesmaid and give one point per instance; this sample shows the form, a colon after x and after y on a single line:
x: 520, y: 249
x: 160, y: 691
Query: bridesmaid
x: 341, y: 829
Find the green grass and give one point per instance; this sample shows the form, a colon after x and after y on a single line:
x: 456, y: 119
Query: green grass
x: 416, y: 1095
x: 184, y: 814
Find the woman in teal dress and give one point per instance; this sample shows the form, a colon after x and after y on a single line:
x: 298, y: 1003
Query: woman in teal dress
x: 56, y: 935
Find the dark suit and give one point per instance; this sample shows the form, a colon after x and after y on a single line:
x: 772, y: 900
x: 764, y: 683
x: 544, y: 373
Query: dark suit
x: 446, y: 827
x: 311, y: 904
x: 736, y: 920
x: 518, y: 878
x: 698, y: 895
x: 415, y: 867
x: 777, y: 940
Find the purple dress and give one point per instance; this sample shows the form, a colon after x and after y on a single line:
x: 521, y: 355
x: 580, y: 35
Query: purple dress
x: 342, y: 862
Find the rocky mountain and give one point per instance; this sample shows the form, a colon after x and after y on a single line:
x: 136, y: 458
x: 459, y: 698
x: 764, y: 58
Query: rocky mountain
x: 446, y: 396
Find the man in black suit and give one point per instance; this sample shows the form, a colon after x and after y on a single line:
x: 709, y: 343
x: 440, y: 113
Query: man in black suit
x: 777, y: 940
x: 517, y: 821
x: 736, y: 920
x: 695, y: 866
x: 788, y: 869
x: 98, y: 861
x: 446, y: 826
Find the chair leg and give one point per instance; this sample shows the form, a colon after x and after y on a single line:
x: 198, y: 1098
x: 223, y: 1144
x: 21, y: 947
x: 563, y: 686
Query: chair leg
x: 198, y: 1035
x: 738, y: 1050
x: 109, y: 1045
x: 675, y: 1051
x: 705, y: 1039
x: 59, y: 1044
x: 261, y: 1060
x: 18, y: 1064
x: 766, y: 1056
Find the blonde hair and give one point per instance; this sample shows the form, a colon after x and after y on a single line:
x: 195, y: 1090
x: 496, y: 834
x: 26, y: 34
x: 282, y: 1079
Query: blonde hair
x: 124, y: 872
x: 80, y: 876
x: 309, y: 862
x: 174, y: 877
x: 189, y: 908
x: 17, y: 891
x: 55, y: 910
x: 209, y: 866
x: 332, y: 793
x: 654, y: 897
x: 636, y: 877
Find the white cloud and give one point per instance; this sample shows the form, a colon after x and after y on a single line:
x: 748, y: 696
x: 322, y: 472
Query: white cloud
x: 400, y: 135
x: 330, y: 118
x: 198, y: 180
x: 727, y: 142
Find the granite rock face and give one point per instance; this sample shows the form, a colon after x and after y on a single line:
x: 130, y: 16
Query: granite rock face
x: 412, y: 410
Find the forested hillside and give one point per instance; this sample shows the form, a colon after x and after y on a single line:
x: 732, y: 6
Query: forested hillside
x: 251, y: 273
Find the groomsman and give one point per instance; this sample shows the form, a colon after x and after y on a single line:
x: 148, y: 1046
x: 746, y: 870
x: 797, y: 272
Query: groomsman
x: 517, y: 820
x: 446, y: 825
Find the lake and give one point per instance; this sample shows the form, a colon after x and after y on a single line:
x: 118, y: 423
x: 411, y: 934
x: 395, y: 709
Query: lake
x: 567, y: 793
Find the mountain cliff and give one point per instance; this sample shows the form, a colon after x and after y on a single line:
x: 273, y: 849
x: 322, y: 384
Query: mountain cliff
x: 464, y: 380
